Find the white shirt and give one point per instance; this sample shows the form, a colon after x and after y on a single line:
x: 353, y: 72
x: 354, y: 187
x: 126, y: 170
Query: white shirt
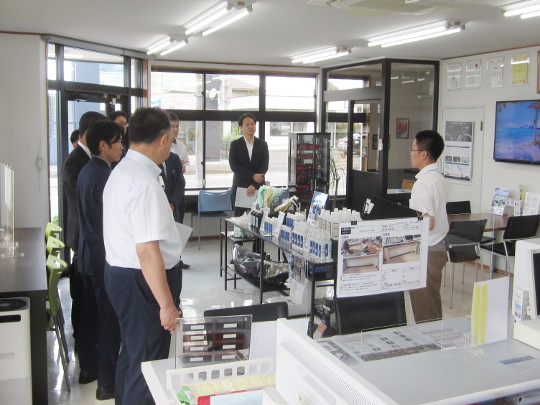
x: 429, y: 197
x: 136, y: 210
x: 181, y: 150
x: 249, y: 146
x: 86, y: 149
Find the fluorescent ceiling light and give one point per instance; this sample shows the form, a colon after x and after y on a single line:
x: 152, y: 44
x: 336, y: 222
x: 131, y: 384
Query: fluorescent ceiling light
x: 526, y: 9
x: 414, y: 34
x: 218, y: 16
x: 174, y: 46
x: 322, y: 54
x: 159, y: 45
x: 235, y: 17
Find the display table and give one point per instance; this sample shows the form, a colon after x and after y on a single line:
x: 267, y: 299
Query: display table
x: 26, y: 277
x: 494, y: 222
x: 452, y: 376
x: 263, y: 344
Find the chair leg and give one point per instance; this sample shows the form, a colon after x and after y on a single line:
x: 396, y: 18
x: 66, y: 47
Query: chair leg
x: 463, y: 274
x: 452, y: 285
x: 60, y: 338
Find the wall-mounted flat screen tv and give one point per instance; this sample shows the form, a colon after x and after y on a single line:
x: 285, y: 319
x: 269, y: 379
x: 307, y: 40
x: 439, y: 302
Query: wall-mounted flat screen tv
x: 517, y: 131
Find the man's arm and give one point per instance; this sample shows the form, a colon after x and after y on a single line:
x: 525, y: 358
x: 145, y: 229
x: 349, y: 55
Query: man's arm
x: 153, y: 270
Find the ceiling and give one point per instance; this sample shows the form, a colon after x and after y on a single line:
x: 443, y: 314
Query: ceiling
x: 276, y: 29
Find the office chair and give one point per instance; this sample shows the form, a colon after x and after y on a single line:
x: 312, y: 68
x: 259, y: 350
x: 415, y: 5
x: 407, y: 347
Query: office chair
x: 212, y: 204
x: 261, y: 312
x: 463, y: 245
x: 378, y: 311
x: 522, y: 227
x: 463, y: 207
x: 55, y: 268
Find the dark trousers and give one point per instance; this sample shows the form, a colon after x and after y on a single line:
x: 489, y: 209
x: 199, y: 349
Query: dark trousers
x: 143, y: 337
x: 76, y: 292
x: 99, y: 341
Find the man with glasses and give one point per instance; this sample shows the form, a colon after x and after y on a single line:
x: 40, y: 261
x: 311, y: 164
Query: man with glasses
x: 99, y: 340
x: 428, y: 196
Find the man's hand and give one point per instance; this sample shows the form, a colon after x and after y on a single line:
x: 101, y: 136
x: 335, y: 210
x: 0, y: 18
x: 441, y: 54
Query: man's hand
x: 172, y: 206
x: 258, y: 177
x: 250, y: 191
x: 168, y: 317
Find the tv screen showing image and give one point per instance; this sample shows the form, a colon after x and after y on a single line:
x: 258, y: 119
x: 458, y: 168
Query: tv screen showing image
x: 517, y: 131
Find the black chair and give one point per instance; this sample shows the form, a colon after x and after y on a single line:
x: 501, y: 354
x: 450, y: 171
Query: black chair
x: 378, y: 311
x: 261, y: 313
x: 463, y: 245
x: 458, y: 207
x: 522, y: 227
x: 463, y: 207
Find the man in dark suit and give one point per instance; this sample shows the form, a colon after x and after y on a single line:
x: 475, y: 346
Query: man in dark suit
x: 174, y: 185
x: 248, y: 158
x: 70, y: 173
x: 99, y: 340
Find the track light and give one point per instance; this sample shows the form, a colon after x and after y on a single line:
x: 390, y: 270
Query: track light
x: 418, y: 33
x: 524, y: 9
x: 322, y: 54
x: 218, y: 16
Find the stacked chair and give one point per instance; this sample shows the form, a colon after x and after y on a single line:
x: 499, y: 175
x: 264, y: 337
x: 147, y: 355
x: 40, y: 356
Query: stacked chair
x: 55, y: 268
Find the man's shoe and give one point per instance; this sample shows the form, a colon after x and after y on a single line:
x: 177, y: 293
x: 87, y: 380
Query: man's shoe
x: 184, y: 265
x: 87, y: 376
x: 103, y: 393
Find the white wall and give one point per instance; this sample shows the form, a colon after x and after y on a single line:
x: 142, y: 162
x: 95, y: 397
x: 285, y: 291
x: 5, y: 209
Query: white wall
x: 493, y: 174
x: 23, y: 124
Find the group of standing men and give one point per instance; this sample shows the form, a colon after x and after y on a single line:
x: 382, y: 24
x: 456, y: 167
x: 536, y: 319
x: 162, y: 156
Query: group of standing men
x: 125, y: 274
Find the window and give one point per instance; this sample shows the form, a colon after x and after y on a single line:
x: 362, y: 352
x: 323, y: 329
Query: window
x: 208, y: 126
x: 85, y: 66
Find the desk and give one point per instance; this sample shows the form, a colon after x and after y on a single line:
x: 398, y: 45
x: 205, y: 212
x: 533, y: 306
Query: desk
x: 26, y: 277
x: 263, y: 338
x: 453, y: 376
x: 494, y: 222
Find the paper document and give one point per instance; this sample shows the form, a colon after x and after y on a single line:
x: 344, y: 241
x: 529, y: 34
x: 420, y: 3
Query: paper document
x: 184, y: 232
x: 242, y: 199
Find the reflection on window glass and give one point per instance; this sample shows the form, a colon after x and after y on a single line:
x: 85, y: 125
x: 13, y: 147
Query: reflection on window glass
x: 277, y: 138
x: 345, y: 84
x: 338, y: 155
x: 93, y: 67
x: 191, y: 135
x: 290, y: 93
x: 51, y: 62
x: 177, y: 91
x: 53, y: 152
x: 219, y: 135
x: 226, y: 92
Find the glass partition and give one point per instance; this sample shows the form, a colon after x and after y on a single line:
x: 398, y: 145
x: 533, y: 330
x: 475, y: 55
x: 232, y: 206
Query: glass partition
x: 81, y: 65
x: 7, y: 212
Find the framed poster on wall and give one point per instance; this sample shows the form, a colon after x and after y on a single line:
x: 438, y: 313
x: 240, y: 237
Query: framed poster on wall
x: 458, y: 153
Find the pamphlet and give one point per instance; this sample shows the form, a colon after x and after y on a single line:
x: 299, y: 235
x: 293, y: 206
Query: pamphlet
x: 499, y: 200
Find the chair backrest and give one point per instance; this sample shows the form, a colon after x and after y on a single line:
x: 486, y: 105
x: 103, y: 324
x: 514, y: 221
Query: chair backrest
x: 521, y: 227
x: 466, y: 232
x: 54, y: 246
x: 370, y: 312
x: 458, y: 207
x: 55, y: 268
x: 52, y: 230
x: 261, y: 313
x: 213, y: 201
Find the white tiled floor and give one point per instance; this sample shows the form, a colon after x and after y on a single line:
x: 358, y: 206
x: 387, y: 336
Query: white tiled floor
x: 204, y: 289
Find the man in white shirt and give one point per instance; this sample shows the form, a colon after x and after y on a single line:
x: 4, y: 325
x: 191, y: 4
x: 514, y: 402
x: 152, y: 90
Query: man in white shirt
x: 143, y: 248
x: 428, y: 196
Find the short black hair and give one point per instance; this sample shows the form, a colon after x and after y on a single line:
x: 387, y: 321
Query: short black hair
x: 115, y: 114
x: 430, y: 141
x: 148, y: 124
x: 107, y: 131
x: 244, y: 116
x: 87, y: 119
x: 173, y: 116
x: 74, y: 136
